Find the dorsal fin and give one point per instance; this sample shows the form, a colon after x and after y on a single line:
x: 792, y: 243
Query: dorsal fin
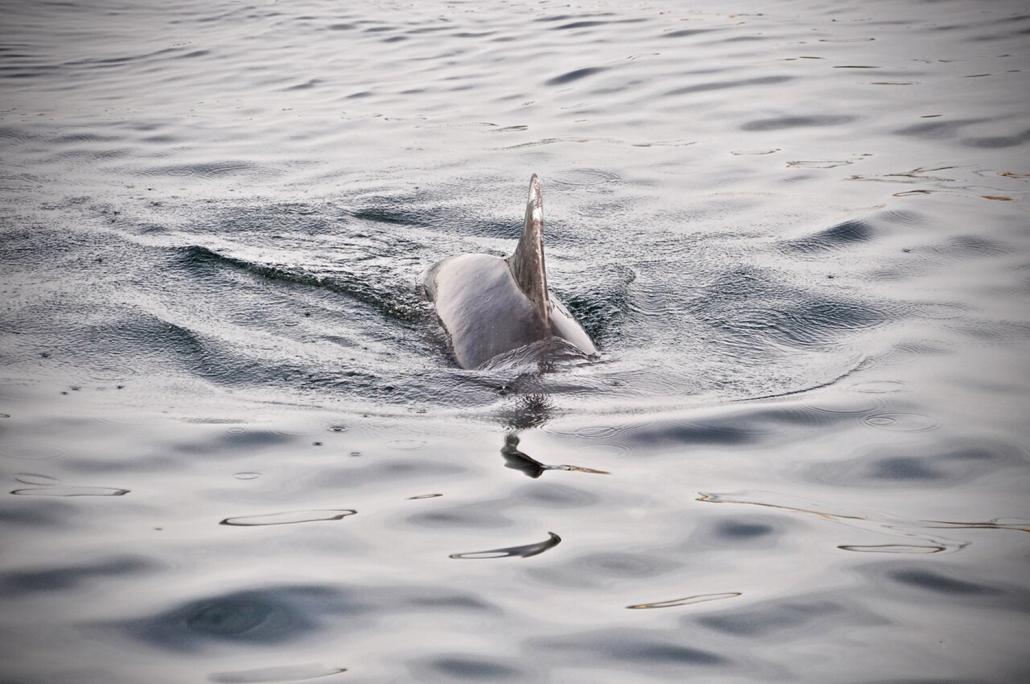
x: 527, y: 262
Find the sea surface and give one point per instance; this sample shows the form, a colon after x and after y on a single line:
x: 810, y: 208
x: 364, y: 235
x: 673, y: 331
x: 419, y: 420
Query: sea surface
x: 234, y: 446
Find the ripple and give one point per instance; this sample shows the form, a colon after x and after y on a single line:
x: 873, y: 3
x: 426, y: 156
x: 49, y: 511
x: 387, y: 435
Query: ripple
x: 687, y: 600
x: 65, y: 577
x: 282, y: 673
x: 289, y: 517
x: 901, y: 422
x: 70, y: 490
x: 585, y: 177
x: 892, y: 548
x: 774, y: 617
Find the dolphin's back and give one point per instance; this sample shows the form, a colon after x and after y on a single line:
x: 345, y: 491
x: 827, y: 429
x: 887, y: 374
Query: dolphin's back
x: 490, y: 305
x: 482, y: 308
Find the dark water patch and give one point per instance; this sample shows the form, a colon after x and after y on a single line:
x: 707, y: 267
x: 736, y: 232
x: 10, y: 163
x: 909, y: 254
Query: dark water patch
x: 524, y: 551
x: 66, y: 577
x: 288, y: 517
x: 598, y: 569
x: 75, y: 138
x: 594, y: 23
x: 733, y: 530
x: 684, y: 33
x: 306, y: 85
x: 240, y: 438
x: 465, y: 516
x: 436, y: 600
x: 686, y: 600
x: 266, y: 616
x: 429, y: 29
x: 906, y: 466
x: 724, y: 85
x: 737, y: 532
x: 395, y: 213
x: 422, y: 467
x: 837, y: 237
x: 575, y: 75
x: 773, y: 617
x: 466, y: 668
x: 903, y: 468
x: 940, y: 583
x: 732, y: 428
x: 999, y: 141
x: 631, y: 648
x: 565, y: 17
x: 235, y: 442
x: 48, y: 514
x: 936, y: 129
x: 785, y: 122
x: 280, y: 673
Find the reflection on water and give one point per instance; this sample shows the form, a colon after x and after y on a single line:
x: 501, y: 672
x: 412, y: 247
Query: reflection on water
x: 797, y: 234
x: 524, y: 551
x: 526, y: 464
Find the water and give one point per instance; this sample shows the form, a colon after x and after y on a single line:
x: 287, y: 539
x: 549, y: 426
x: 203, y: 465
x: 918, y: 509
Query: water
x: 236, y: 448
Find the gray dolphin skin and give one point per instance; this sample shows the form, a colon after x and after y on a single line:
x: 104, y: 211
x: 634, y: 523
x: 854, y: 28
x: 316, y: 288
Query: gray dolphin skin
x: 490, y: 306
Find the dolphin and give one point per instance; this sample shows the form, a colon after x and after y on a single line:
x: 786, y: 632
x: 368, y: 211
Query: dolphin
x: 490, y: 306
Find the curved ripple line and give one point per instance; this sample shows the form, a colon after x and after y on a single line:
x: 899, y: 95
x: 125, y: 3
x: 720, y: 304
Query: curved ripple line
x: 284, y: 673
x: 892, y: 548
x: 687, y: 600
x: 289, y: 517
x: 70, y: 490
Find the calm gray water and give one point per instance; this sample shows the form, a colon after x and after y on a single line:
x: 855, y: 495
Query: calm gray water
x: 234, y: 446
